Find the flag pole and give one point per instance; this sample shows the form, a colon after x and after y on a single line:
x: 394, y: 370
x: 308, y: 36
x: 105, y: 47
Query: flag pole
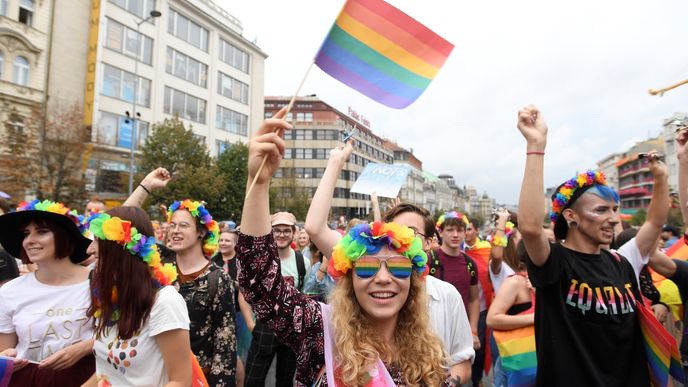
x: 289, y: 106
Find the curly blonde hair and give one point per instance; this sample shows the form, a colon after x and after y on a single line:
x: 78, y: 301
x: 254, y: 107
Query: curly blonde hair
x: 418, y: 351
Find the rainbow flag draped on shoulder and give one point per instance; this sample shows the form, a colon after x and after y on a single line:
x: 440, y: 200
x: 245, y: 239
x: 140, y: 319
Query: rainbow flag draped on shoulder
x: 382, y: 52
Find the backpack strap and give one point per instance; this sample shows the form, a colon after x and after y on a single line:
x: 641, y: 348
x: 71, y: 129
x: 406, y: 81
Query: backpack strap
x: 435, y: 265
x: 301, y: 268
x: 213, y: 283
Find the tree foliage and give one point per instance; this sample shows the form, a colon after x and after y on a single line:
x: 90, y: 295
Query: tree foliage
x: 194, y: 174
x: 232, y: 164
x: 639, y: 217
x: 45, y: 154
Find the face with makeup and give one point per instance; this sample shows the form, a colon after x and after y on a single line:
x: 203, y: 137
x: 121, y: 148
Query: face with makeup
x: 595, y: 218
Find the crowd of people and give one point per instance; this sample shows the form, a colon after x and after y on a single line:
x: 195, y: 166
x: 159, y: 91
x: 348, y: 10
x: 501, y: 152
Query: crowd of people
x: 111, y: 297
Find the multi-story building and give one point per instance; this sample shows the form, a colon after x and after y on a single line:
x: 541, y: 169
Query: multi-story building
x: 438, y: 195
x: 635, y: 180
x: 413, y: 191
x: 318, y: 128
x: 608, y: 166
x: 25, y: 30
x: 192, y: 62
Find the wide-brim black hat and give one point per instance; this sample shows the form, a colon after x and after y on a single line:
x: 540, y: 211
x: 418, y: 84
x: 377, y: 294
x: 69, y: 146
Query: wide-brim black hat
x: 11, y: 236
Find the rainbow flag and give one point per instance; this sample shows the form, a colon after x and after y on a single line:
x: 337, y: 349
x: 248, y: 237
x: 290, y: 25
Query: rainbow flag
x: 661, y: 350
x: 517, y: 351
x: 6, y: 367
x: 382, y: 52
x: 678, y: 250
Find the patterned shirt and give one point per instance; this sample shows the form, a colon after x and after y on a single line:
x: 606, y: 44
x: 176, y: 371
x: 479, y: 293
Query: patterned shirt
x: 295, y: 318
x: 213, y: 328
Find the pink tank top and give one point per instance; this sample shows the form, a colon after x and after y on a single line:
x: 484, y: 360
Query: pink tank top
x: 379, y: 376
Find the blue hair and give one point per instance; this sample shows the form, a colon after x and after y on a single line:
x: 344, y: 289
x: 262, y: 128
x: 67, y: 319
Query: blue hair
x: 605, y: 192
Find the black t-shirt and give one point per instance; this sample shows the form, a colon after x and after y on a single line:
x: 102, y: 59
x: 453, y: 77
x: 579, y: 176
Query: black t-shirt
x: 680, y: 278
x: 586, y: 329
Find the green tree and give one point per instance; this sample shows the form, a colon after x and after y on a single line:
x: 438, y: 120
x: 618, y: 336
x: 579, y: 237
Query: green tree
x: 194, y: 175
x: 289, y: 195
x: 639, y: 217
x: 232, y: 164
x: 19, y: 159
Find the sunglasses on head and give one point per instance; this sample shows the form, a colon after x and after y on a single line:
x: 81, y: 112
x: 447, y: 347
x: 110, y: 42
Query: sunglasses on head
x: 367, y: 266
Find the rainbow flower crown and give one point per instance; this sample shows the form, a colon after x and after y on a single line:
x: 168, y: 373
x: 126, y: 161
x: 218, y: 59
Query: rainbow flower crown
x: 197, y: 210
x: 567, y: 190
x: 105, y: 227
x: 450, y: 215
x: 54, y: 207
x: 367, y: 238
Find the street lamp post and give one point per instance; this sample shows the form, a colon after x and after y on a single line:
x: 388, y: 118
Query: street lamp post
x: 132, y: 116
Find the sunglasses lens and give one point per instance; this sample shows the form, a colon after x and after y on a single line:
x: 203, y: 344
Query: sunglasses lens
x: 366, y: 267
x: 400, y: 267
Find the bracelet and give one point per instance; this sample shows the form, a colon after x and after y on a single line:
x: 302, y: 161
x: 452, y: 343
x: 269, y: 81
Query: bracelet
x: 499, y: 240
x: 324, y: 272
x: 144, y: 188
x: 535, y: 153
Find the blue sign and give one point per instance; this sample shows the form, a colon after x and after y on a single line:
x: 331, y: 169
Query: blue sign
x: 385, y: 180
x: 125, y: 135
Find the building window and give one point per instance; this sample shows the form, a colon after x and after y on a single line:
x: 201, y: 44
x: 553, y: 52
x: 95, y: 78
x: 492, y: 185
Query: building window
x: 184, y: 105
x: 234, y: 56
x: 222, y: 146
x: 3, y: 7
x: 232, y: 88
x: 116, y: 130
x: 186, y: 30
x: 120, y: 84
x: 126, y: 41
x: 140, y: 8
x: 231, y: 121
x: 304, y: 117
x: 21, y: 71
x: 26, y: 12
x: 187, y: 68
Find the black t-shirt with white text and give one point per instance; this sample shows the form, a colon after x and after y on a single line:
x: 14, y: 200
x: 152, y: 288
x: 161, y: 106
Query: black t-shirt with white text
x: 586, y: 328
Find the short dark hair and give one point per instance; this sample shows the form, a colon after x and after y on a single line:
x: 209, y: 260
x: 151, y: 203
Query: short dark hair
x: 453, y: 222
x: 672, y: 229
x: 475, y: 222
x: 428, y: 221
x: 64, y: 242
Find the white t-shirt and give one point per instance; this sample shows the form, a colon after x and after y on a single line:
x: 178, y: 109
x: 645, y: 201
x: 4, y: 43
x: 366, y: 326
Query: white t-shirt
x: 449, y: 319
x: 45, y: 318
x: 631, y: 252
x: 289, y: 268
x: 498, y: 279
x: 138, y: 361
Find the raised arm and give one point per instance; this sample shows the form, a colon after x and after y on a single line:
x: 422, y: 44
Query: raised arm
x: 498, y: 242
x: 662, y: 264
x: 682, y: 154
x: 377, y: 216
x: 316, y: 220
x: 156, y: 179
x: 531, y: 209
x: 658, y: 210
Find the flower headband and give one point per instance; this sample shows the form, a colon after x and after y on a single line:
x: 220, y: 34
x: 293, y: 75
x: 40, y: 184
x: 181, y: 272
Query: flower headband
x: 367, y: 238
x: 567, y: 190
x: 105, y: 227
x: 54, y: 207
x: 197, y: 210
x: 450, y: 215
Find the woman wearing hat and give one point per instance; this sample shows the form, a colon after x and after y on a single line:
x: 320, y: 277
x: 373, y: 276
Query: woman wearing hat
x: 376, y: 332
x: 586, y: 328
x: 43, y: 314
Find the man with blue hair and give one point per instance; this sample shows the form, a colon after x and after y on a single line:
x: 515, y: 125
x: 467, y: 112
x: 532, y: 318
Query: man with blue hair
x: 586, y: 327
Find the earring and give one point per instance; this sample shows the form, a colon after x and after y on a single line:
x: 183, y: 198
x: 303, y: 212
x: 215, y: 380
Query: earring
x: 573, y: 224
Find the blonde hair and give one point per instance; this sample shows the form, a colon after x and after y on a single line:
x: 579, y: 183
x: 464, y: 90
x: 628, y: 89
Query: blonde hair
x: 418, y: 352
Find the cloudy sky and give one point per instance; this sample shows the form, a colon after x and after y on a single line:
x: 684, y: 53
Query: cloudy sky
x: 586, y: 64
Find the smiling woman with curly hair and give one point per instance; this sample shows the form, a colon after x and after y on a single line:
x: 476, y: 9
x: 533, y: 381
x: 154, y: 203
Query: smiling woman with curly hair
x: 375, y: 332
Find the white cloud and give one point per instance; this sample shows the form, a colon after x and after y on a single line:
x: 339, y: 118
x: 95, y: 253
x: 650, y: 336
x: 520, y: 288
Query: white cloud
x: 587, y: 65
